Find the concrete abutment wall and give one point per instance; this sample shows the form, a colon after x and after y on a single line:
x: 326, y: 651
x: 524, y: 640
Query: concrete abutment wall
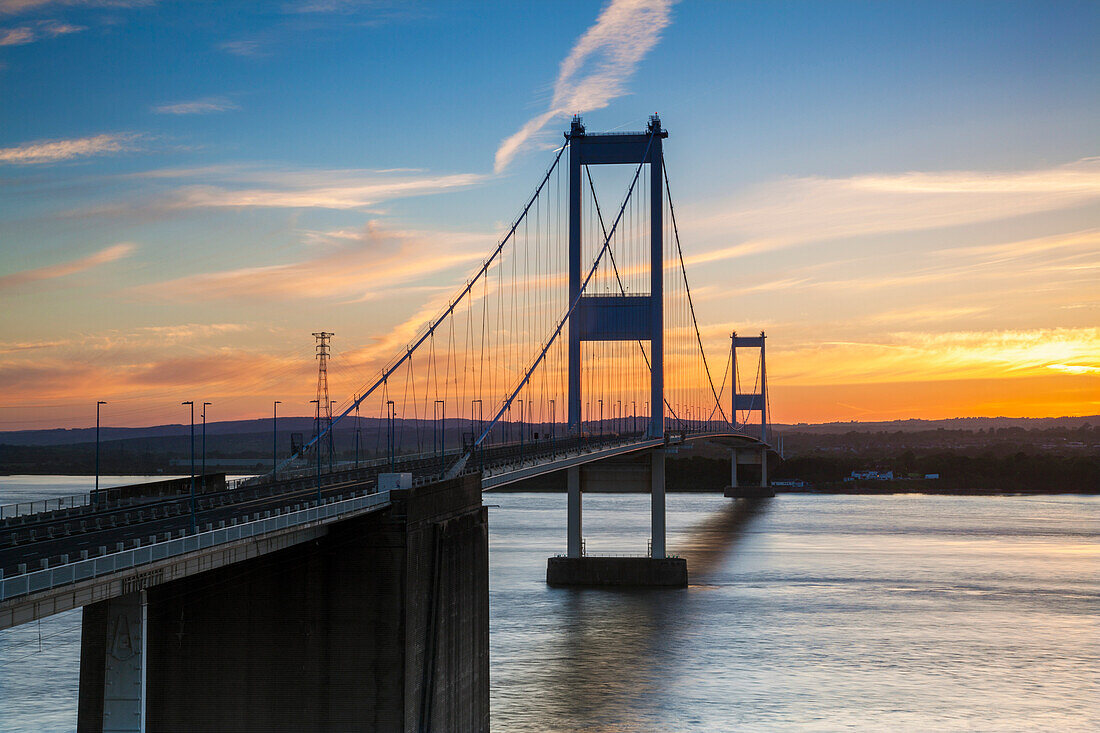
x: 382, y: 624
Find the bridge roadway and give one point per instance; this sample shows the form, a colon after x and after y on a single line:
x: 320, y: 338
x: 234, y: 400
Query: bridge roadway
x: 37, y: 542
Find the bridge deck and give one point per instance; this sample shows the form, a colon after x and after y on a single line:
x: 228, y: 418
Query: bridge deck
x: 53, y: 561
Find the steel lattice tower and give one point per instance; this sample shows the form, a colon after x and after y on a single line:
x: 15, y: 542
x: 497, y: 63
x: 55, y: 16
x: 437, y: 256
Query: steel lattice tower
x: 324, y: 407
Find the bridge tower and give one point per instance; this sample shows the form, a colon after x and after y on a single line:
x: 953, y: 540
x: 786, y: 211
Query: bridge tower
x: 618, y: 317
x: 754, y: 401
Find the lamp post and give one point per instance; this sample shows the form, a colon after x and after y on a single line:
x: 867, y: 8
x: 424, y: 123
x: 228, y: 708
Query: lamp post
x: 390, y: 415
x: 317, y: 422
x: 274, y: 437
x: 475, y: 434
x: 97, y: 404
x: 194, y: 519
x: 634, y: 412
x: 357, y: 431
x: 521, y: 416
x: 331, y: 437
x: 204, y: 404
x: 442, y: 435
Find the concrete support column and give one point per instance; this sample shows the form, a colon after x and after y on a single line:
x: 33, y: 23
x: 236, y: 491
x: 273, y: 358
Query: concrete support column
x: 113, y: 666
x: 733, y: 467
x: 573, y: 480
x: 657, y: 504
x: 764, y: 467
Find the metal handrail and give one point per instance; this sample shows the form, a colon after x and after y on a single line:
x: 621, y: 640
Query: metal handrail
x: 86, y: 569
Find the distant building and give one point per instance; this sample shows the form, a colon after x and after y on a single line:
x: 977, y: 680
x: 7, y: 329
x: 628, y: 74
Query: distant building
x: 931, y: 475
x: 793, y: 482
x: 871, y: 476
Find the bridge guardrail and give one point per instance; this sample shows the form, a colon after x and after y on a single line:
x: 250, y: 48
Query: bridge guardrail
x: 39, y: 580
x: 19, y: 509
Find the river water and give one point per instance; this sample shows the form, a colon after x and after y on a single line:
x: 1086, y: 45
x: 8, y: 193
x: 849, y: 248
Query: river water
x: 804, y: 613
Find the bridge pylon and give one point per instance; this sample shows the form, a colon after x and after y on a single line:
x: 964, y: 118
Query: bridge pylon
x: 754, y: 401
x: 630, y: 317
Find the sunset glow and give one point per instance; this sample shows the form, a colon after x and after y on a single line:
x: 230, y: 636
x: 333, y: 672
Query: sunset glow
x: 915, y: 243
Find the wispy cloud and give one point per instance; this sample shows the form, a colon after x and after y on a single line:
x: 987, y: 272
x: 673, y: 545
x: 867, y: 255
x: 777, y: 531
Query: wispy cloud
x: 1074, y: 368
x: 17, y: 7
x: 243, y: 187
x: 352, y: 268
x: 41, y: 30
x: 796, y: 211
x: 205, y: 106
x: 102, y: 257
x: 598, y: 67
x: 53, y: 151
x: 307, y: 7
x: 243, y: 48
x: 933, y: 356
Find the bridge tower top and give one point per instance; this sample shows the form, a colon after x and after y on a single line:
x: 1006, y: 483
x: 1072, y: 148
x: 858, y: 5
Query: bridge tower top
x: 755, y: 401
x: 620, y: 317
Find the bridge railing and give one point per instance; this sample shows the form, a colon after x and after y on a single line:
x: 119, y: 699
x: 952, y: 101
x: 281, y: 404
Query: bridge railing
x: 107, y: 498
x: 90, y: 568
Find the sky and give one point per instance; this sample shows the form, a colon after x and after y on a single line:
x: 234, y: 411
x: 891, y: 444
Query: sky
x: 904, y: 196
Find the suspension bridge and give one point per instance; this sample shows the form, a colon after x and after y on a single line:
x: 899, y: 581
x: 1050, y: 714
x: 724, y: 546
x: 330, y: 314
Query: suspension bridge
x: 573, y: 348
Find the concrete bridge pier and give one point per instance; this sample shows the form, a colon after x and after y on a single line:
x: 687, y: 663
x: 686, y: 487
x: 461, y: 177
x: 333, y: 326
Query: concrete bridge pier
x: 578, y: 569
x: 749, y: 457
x: 575, y: 540
x: 381, y: 623
x: 112, y: 660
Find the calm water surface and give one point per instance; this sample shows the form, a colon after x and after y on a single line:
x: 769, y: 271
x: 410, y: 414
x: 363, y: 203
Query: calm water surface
x: 804, y: 612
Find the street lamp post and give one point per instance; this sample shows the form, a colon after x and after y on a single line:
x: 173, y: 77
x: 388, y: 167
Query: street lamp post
x: 442, y: 435
x: 331, y: 437
x: 194, y: 519
x: 97, y: 404
x: 317, y: 422
x: 391, y: 414
x: 521, y: 416
x: 204, y: 405
x: 274, y: 437
x: 475, y: 434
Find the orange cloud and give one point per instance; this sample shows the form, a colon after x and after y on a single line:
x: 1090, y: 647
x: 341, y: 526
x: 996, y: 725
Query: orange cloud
x: 108, y: 254
x: 361, y: 266
x: 52, y: 151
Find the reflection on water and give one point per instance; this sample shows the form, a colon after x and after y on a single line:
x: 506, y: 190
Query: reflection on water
x: 815, y: 613
x: 610, y: 656
x: 804, y: 613
x: 706, y: 544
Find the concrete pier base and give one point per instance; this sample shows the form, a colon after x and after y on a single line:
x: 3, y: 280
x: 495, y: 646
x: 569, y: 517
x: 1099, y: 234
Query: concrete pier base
x: 749, y: 492
x: 668, y: 572
x: 749, y: 457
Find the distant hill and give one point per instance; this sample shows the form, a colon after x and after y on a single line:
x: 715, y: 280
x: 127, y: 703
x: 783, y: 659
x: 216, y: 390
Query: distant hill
x: 955, y: 423
x: 74, y: 436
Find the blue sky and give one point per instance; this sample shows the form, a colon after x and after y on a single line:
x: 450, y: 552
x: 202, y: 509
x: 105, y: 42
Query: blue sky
x: 944, y: 150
